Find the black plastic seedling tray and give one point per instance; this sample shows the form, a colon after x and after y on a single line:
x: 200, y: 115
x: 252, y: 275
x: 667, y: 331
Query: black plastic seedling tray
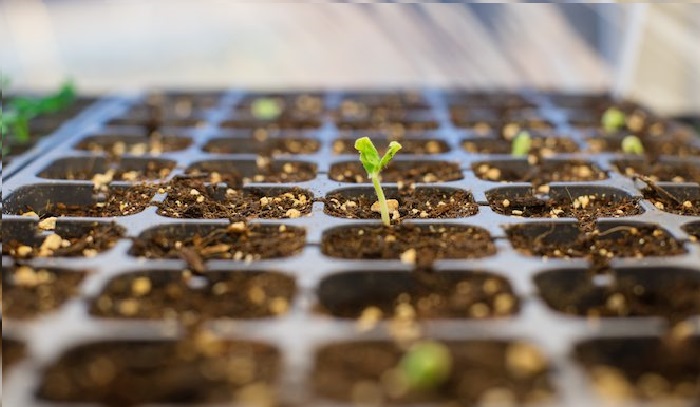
x: 540, y: 323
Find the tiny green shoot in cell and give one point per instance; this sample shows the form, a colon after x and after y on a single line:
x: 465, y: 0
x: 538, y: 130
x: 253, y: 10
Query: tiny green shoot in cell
x: 613, y: 120
x: 374, y: 165
x: 266, y: 108
x: 521, y: 144
x: 426, y: 365
x: 22, y: 109
x: 632, y: 145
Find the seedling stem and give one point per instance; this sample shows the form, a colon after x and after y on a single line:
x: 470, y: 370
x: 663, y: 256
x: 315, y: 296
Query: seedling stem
x: 374, y: 165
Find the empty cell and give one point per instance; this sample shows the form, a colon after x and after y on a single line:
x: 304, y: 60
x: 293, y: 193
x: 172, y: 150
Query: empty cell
x: 693, y: 229
x: 669, y: 292
x: 399, y: 171
x: 583, y: 202
x: 167, y: 294
x: 413, y: 244
x: 237, y: 172
x: 193, y: 199
x: 676, y: 199
x: 21, y: 239
x: 79, y: 200
x: 31, y: 291
x: 519, y: 170
x: 196, y: 243
x: 407, y: 124
x: 133, y: 144
x: 667, y: 171
x: 266, y: 147
x: 126, y: 169
x: 13, y: 351
x: 644, y: 368
x: 606, y: 241
x: 135, y: 372
x: 369, y: 295
x: 426, y: 146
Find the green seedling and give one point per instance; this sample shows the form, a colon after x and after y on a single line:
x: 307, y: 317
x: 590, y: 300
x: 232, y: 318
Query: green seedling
x: 266, y: 108
x: 632, y: 145
x: 374, y: 165
x: 521, y: 144
x: 22, y: 109
x: 426, y: 365
x: 613, y: 120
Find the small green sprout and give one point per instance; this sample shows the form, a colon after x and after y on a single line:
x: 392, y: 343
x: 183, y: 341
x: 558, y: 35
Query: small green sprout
x: 22, y: 109
x: 374, y: 165
x: 426, y: 365
x: 266, y: 108
x: 613, y: 120
x: 632, y: 145
x: 521, y: 144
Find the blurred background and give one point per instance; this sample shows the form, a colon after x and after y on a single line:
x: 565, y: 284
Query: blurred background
x: 647, y: 51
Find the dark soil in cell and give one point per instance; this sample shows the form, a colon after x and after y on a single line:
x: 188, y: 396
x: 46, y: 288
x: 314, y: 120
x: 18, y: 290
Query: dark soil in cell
x: 129, y: 170
x: 413, y: 244
x: 198, y: 99
x: 389, y: 126
x: 193, y: 199
x: 176, y: 294
x: 541, y: 146
x: 587, y: 101
x: 399, y: 171
x: 509, y: 129
x: 412, y: 203
x: 408, y: 146
x: 114, y: 202
x: 660, y: 171
x: 530, y: 205
x: 642, y: 368
x: 117, y: 144
x: 480, y: 127
x: 686, y: 204
x: 307, y: 104
x: 83, y: 240
x: 475, y: 118
x: 567, y: 240
x: 693, y: 229
x: 363, y: 115
x: 499, y: 101
x: 283, y: 122
x: 606, y: 144
x: 238, y: 241
x: 236, y: 173
x: 443, y: 294
x: 151, y: 125
x: 12, y: 352
x: 166, y: 113
x: 653, y: 147
x: 667, y: 292
x: 514, y: 370
x: 28, y: 292
x: 128, y: 373
x: 545, y: 172
x: 267, y: 147
x: 352, y: 102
